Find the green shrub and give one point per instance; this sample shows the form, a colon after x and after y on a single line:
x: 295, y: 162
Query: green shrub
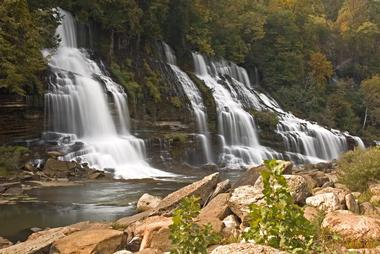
x: 357, y: 169
x: 188, y: 237
x: 279, y: 223
x: 267, y: 120
x: 10, y: 158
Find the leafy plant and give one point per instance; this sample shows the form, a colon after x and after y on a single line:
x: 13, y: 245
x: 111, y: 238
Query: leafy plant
x: 357, y: 169
x: 10, y: 157
x: 187, y: 236
x: 279, y: 222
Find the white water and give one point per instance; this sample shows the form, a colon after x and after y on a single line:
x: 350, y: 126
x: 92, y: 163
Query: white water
x: 77, y: 107
x: 236, y: 126
x: 196, y: 101
x: 304, y: 141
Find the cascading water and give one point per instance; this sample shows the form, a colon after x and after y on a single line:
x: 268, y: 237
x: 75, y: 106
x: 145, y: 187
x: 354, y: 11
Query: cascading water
x: 77, y: 109
x: 196, y: 101
x: 236, y: 126
x: 304, y: 141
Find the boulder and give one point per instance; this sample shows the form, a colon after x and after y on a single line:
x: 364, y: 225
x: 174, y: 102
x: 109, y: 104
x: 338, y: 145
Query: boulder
x: 311, y: 213
x: 105, y: 241
x: 311, y: 183
x: 297, y: 185
x: 54, y: 154
x: 150, y: 251
x: 231, y: 227
x: 250, y: 176
x: 147, y: 202
x: 160, y: 240
x: 245, y: 248
x: 126, y: 221
x: 320, y: 178
x: 242, y: 197
x: 374, y: 188
x: 215, y: 211
x: 340, y: 193
x: 366, y: 208
x: 351, y: 203
x: 352, y: 227
x: 57, y: 168
x: 231, y: 222
x: 202, y: 188
x: 324, y: 202
x: 4, y: 243
x: 221, y: 187
x: 39, y: 242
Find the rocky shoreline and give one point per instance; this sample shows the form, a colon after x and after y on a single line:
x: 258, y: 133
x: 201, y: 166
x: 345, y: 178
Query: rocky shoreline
x: 225, y: 206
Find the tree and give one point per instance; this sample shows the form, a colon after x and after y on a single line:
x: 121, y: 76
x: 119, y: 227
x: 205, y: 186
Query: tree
x: 321, y: 69
x: 21, y: 39
x: 371, y: 95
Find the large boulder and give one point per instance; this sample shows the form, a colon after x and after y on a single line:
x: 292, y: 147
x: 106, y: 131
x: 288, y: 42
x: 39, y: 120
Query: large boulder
x: 353, y: 227
x: 297, y: 185
x: 104, y: 241
x: 147, y: 202
x: 215, y: 211
x: 340, y: 193
x: 246, y: 248
x: 39, y: 242
x: 202, y: 188
x: 242, y: 197
x: 57, y: 168
x: 366, y: 208
x: 325, y: 202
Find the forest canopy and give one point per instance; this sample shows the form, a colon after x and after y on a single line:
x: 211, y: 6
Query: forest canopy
x: 318, y: 58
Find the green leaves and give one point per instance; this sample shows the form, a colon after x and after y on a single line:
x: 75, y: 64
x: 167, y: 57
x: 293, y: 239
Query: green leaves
x: 279, y: 223
x: 188, y: 237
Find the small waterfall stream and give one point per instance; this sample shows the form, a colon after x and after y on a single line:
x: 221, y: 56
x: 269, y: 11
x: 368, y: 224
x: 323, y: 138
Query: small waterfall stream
x: 236, y: 126
x: 196, y: 101
x: 77, y: 109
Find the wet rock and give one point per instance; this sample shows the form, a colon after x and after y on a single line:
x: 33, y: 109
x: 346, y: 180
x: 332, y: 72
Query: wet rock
x: 96, y: 175
x: 215, y: 211
x: 353, y: 227
x: 4, y: 243
x: 242, y: 197
x: 105, y: 241
x: 56, y: 168
x: 54, y: 154
x: 39, y: 242
x: 13, y: 188
x: 202, y: 188
x: 351, y: 203
x: 311, y: 213
x: 147, y: 202
x: 324, y: 166
x: 324, y: 202
x: 245, y: 248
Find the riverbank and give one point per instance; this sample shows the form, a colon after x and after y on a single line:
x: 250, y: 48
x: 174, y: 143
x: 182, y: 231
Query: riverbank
x: 225, y: 206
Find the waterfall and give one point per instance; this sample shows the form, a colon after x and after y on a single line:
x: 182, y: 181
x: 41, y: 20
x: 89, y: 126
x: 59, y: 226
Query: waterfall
x: 77, y: 109
x: 304, y: 141
x: 196, y: 101
x: 237, y: 129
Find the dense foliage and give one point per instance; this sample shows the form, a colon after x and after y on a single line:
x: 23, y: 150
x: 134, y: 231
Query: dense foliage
x: 10, y: 158
x: 187, y: 236
x: 279, y: 222
x: 311, y: 55
x: 357, y: 169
